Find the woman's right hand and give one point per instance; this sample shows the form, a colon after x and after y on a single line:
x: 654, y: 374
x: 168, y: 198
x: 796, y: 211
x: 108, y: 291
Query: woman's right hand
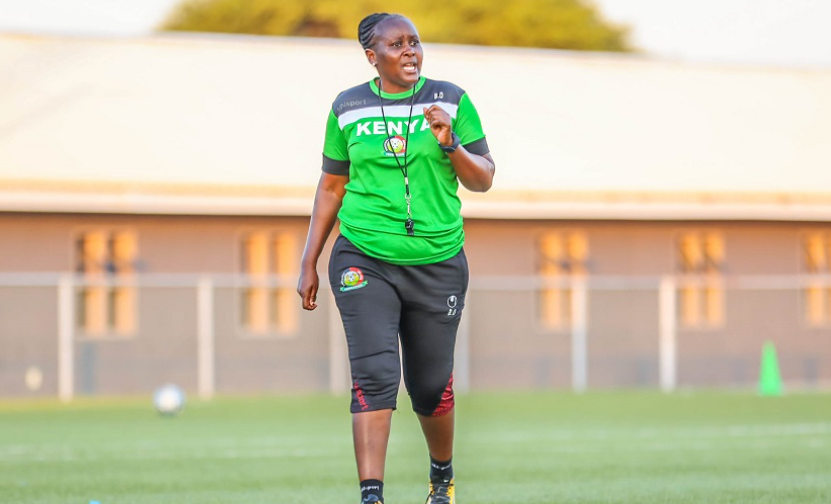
x: 328, y: 199
x: 307, y: 287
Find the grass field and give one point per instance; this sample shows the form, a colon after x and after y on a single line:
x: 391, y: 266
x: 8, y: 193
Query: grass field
x: 625, y: 447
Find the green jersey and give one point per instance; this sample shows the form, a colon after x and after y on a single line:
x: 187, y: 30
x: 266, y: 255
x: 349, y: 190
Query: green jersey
x: 370, y: 142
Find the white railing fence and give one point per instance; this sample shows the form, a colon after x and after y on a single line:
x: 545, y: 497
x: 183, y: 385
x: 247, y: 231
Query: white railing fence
x: 622, y: 331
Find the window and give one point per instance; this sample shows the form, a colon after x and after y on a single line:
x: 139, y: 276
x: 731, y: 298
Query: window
x: 106, y: 301
x: 562, y: 257
x: 701, y: 264
x: 817, y: 293
x: 268, y: 261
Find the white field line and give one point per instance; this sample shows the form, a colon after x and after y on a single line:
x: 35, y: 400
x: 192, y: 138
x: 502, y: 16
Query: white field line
x: 682, y: 445
x: 227, y: 448
x: 734, y: 431
x: 58, y: 454
x: 35, y: 454
x: 555, y: 441
x: 752, y: 437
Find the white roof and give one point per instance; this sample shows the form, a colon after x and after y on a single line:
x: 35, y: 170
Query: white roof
x: 91, y: 124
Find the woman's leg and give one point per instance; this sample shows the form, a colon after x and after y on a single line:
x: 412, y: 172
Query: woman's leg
x: 438, y: 432
x: 371, y: 434
x: 429, y: 379
x: 433, y: 301
x: 370, y: 310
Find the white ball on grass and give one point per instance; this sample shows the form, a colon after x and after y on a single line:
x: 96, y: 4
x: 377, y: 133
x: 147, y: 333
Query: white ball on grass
x: 169, y: 400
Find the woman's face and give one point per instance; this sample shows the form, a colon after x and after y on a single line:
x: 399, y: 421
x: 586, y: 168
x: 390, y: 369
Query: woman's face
x: 397, y: 54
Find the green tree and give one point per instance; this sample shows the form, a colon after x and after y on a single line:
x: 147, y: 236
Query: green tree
x: 559, y: 24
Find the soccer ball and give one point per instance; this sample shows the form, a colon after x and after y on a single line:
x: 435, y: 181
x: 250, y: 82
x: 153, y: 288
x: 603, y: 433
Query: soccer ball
x: 169, y: 400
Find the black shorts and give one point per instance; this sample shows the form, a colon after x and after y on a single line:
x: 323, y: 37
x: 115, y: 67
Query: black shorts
x: 381, y: 304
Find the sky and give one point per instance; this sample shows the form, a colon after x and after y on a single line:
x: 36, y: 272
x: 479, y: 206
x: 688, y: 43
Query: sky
x: 765, y: 32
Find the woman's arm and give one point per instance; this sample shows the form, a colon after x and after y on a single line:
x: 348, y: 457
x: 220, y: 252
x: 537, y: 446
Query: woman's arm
x: 328, y: 199
x: 475, y: 172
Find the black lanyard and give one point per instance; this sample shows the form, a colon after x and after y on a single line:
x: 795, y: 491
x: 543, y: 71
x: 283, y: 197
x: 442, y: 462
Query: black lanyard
x: 409, y: 224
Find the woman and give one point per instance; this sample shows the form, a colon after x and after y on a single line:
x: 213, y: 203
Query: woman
x: 396, y: 149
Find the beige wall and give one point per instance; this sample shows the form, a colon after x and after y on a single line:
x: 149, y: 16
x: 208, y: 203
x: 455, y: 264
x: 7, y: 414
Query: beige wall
x: 509, y: 348
x: 194, y: 244
x: 167, y: 244
x: 638, y: 248
x: 513, y: 351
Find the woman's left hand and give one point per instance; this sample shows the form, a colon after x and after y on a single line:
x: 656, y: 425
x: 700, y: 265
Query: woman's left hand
x: 439, y: 121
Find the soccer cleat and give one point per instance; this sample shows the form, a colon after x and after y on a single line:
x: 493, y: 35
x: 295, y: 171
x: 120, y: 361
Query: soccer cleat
x: 372, y: 499
x: 441, y: 492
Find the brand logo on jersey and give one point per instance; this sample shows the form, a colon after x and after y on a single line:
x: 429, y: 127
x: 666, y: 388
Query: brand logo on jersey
x: 395, y: 146
x: 351, y: 279
x: 452, y: 302
x: 350, y: 104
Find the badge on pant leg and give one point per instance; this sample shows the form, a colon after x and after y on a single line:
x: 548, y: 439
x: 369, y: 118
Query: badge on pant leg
x: 452, y: 302
x: 351, y: 279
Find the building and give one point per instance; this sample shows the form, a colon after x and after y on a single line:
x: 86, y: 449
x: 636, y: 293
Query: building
x: 653, y: 223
